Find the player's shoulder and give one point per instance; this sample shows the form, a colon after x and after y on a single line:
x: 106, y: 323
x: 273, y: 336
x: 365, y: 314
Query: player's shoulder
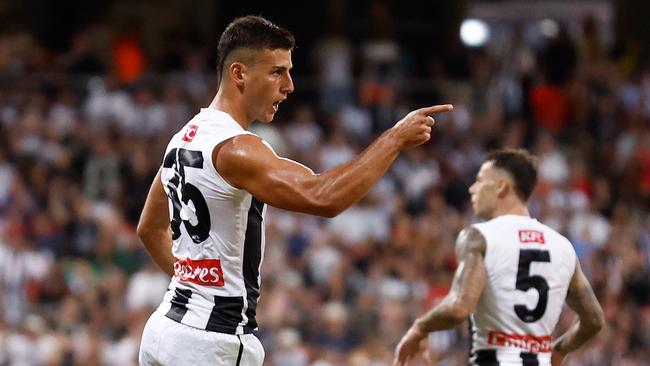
x: 545, y: 235
x: 493, y: 224
x: 470, y: 239
x: 211, y: 121
x: 525, y: 228
x: 552, y: 233
x: 242, y: 153
x: 243, y: 145
x: 215, y: 115
x: 210, y: 127
x: 514, y: 222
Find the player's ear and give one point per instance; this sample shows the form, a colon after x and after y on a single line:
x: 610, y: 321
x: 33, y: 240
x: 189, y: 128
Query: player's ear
x: 237, y: 71
x: 503, y: 187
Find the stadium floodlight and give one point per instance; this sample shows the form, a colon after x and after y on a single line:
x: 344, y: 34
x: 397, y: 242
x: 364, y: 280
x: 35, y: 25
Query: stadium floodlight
x: 549, y: 28
x: 474, y: 32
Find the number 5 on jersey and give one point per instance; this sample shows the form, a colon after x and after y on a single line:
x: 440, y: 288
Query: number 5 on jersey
x: 525, y: 282
x: 185, y: 197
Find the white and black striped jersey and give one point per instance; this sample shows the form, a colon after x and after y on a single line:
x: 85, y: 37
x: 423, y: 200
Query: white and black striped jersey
x: 217, y: 232
x: 529, y: 268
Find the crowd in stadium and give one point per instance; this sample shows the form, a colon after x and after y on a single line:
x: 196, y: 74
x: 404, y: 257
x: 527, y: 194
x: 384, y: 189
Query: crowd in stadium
x: 82, y: 134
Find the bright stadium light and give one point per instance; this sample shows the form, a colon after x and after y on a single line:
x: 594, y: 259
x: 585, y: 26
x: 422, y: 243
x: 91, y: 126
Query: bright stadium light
x: 474, y: 32
x: 549, y: 28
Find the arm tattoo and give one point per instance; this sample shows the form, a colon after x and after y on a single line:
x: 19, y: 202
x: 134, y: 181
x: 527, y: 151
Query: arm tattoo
x: 466, y: 287
x: 582, y: 300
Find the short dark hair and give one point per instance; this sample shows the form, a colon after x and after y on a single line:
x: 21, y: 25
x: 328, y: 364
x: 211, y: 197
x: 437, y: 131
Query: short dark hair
x: 251, y: 32
x: 521, y: 165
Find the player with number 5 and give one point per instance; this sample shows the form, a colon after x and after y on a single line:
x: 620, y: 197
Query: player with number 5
x: 514, y: 274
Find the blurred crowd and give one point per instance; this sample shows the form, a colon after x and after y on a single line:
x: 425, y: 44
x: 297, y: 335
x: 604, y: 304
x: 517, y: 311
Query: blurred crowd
x: 82, y: 134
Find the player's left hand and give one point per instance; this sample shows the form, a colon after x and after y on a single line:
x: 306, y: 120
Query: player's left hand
x: 408, y: 346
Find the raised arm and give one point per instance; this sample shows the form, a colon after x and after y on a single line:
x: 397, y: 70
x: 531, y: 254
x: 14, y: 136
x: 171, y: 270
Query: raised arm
x: 247, y: 162
x: 154, y: 227
x: 582, y: 300
x: 459, y: 303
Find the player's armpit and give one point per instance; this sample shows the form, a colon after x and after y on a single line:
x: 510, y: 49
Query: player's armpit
x: 583, y: 301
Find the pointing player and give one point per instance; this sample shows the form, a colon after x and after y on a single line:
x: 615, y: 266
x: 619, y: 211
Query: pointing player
x: 203, y: 220
x: 513, y: 276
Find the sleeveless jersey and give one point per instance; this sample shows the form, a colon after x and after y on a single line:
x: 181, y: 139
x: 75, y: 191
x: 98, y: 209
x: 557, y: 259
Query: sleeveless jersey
x: 217, y: 232
x: 529, y: 268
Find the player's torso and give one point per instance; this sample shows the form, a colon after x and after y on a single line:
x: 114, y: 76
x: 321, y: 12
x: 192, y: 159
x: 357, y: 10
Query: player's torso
x: 217, y: 232
x: 529, y: 269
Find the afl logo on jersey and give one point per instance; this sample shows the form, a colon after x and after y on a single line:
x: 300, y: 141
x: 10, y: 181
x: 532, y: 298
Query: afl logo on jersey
x: 190, y: 133
x: 531, y: 236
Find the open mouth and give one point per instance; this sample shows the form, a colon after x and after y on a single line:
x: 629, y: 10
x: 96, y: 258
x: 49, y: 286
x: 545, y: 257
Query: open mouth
x: 276, y: 104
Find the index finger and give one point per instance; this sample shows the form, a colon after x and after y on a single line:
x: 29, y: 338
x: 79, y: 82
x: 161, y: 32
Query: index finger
x: 427, y: 111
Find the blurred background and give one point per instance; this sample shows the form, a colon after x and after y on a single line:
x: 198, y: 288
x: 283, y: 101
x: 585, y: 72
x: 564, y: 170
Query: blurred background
x: 91, y: 92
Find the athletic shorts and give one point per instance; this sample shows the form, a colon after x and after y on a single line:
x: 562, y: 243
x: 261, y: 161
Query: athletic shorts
x: 168, y: 343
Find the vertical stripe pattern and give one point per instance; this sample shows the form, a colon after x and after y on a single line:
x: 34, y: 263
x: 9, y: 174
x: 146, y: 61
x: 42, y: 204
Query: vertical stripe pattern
x: 179, y: 304
x: 225, y: 315
x: 490, y: 357
x: 252, y: 260
x: 241, y: 350
x: 529, y: 359
x: 470, y: 324
x: 486, y: 357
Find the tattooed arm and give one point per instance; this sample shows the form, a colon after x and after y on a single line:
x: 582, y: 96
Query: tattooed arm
x: 461, y: 300
x: 582, y: 300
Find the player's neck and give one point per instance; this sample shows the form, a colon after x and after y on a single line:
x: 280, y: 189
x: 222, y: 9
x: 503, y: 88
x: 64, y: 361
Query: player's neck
x: 511, y: 208
x: 230, y: 104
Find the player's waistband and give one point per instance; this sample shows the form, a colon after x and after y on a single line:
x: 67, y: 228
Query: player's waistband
x: 221, y: 314
x: 508, y: 357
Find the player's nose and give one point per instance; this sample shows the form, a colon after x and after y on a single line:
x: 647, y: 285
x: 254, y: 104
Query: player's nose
x: 470, y: 190
x: 287, y: 86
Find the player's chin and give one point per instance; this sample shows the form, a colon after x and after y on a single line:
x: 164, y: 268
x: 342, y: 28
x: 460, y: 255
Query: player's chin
x: 268, y: 117
x: 475, y: 209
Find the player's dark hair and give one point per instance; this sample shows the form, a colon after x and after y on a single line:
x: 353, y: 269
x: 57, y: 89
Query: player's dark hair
x: 521, y: 165
x: 251, y: 32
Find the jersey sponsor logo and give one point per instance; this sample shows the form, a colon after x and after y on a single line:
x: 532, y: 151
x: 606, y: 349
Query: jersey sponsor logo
x: 204, y: 272
x: 523, y: 341
x: 531, y: 236
x: 190, y: 133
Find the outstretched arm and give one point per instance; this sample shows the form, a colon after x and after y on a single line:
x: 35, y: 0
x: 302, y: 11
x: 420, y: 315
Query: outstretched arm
x: 582, y: 300
x: 246, y: 162
x: 154, y: 228
x: 461, y: 301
